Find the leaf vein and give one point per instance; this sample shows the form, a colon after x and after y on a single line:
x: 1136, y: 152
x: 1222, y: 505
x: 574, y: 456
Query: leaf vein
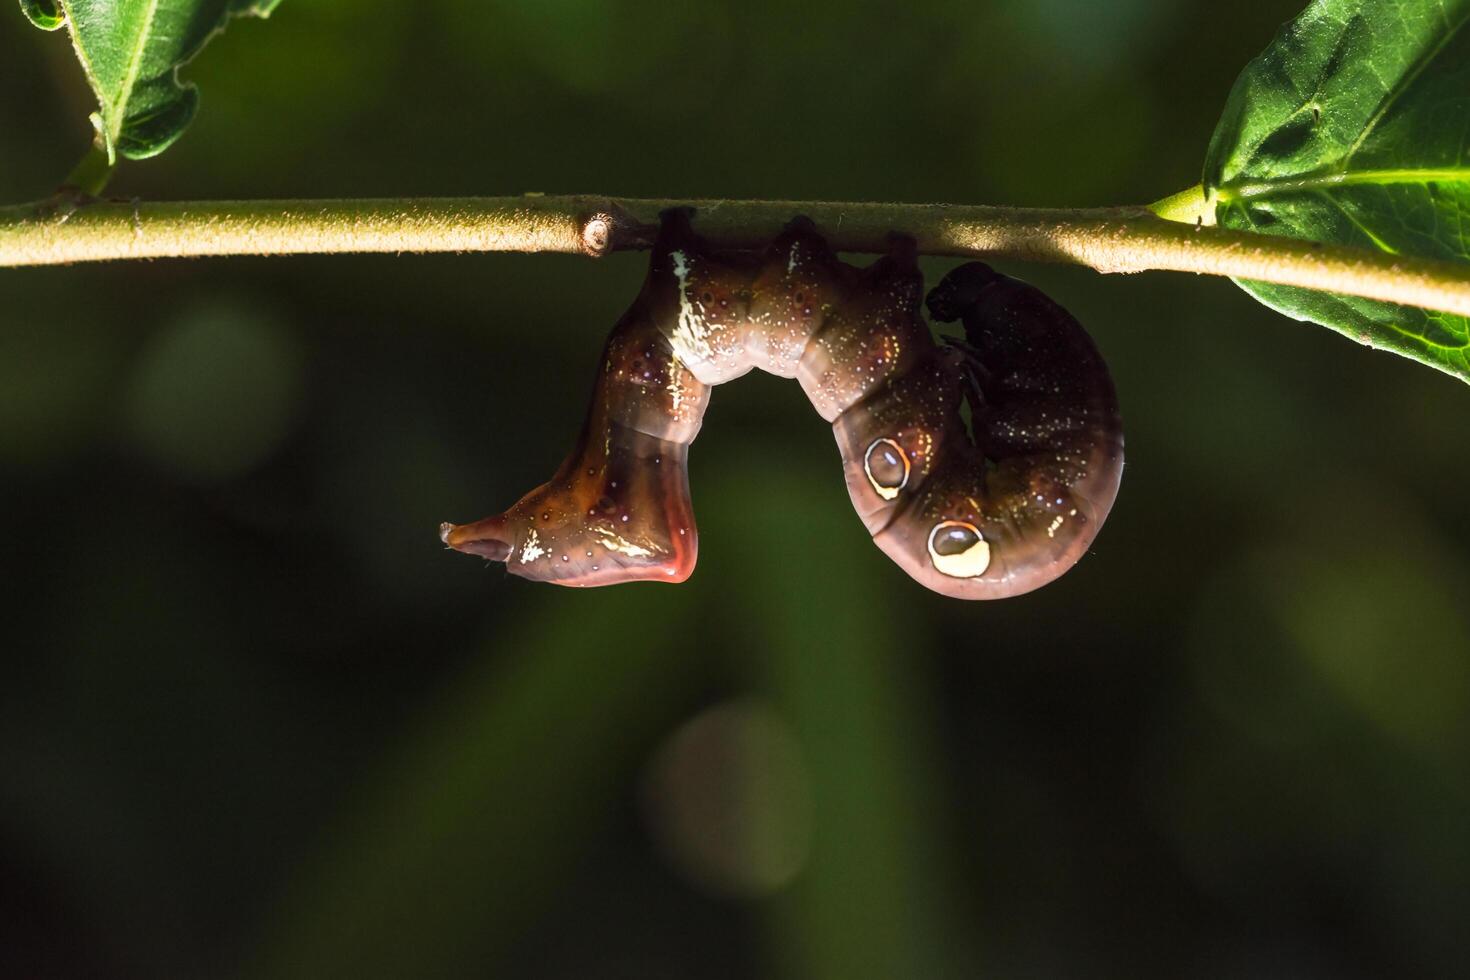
x: 1392, y: 94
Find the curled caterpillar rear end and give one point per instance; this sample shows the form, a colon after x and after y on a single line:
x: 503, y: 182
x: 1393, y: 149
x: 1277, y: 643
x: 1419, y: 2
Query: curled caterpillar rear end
x: 993, y: 509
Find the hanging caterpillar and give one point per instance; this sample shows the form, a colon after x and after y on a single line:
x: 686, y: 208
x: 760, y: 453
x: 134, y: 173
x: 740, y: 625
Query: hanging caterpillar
x: 993, y: 510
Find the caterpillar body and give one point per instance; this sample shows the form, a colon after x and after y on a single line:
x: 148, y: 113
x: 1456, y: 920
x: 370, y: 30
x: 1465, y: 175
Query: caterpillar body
x: 993, y: 509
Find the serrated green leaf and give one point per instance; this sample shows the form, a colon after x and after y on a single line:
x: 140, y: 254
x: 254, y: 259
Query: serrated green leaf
x: 1354, y: 127
x: 131, y: 51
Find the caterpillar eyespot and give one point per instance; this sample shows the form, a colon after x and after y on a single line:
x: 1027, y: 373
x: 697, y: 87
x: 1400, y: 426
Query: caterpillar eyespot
x: 887, y: 467
x: 991, y: 509
x: 958, y: 549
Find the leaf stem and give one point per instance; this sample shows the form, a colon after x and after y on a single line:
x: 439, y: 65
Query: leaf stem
x: 91, y: 173
x: 1192, y: 206
x: 1128, y: 239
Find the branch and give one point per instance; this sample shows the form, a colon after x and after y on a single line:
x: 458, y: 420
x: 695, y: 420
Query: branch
x: 1132, y: 239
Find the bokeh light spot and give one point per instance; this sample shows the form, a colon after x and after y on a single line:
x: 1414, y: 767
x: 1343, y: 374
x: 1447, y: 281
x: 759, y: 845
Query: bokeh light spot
x: 729, y: 800
x: 214, y: 393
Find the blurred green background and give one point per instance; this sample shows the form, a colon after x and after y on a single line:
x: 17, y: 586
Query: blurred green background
x: 256, y: 722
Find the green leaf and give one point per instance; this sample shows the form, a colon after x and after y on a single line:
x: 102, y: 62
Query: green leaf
x: 1354, y: 127
x: 45, y: 14
x: 131, y: 51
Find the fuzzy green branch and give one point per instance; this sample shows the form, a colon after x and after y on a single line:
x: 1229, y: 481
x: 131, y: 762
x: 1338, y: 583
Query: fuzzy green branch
x: 1129, y: 239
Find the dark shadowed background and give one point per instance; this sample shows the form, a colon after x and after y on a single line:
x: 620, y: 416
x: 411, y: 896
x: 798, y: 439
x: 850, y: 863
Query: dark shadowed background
x: 256, y: 722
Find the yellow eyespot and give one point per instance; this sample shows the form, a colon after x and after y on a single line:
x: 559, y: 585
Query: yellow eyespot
x: 958, y: 550
x: 887, y: 467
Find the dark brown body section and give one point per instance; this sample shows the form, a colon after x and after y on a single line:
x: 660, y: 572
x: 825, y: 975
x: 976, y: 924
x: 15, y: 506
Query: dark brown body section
x: 990, y: 510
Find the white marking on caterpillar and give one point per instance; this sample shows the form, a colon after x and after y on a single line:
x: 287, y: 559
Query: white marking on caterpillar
x: 886, y: 491
x: 613, y: 541
x: 690, y: 339
x: 973, y: 561
x: 533, y: 549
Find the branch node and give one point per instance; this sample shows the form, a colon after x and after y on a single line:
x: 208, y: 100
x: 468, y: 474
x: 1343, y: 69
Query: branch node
x: 597, y: 233
x: 610, y: 229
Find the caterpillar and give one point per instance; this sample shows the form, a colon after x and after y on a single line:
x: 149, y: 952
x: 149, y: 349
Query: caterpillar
x: 987, y: 510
